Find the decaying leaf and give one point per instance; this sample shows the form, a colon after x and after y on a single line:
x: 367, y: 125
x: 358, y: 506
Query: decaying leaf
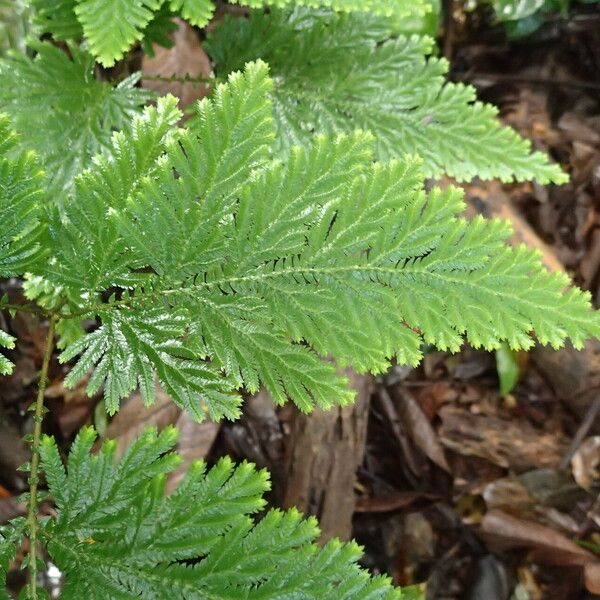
x: 502, y: 531
x: 186, y: 59
x: 419, y: 428
x: 513, y: 444
x: 585, y: 462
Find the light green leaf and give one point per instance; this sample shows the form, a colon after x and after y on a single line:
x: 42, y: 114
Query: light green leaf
x: 197, y: 12
x: 21, y: 223
x: 61, y: 111
x: 229, y: 270
x: 131, y: 350
x: 507, y: 367
x: 366, y: 78
x: 6, y: 341
x: 111, y: 26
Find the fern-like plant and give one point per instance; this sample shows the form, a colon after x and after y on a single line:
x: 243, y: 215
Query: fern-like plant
x: 245, y: 249
x: 119, y: 534
x: 112, y: 26
x: 368, y: 77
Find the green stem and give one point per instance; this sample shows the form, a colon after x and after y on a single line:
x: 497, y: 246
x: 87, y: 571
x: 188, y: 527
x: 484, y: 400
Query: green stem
x: 194, y: 79
x: 38, y: 417
x: 26, y: 308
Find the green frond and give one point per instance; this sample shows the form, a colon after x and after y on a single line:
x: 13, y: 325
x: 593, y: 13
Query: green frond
x: 61, y: 111
x: 10, y: 540
x: 231, y: 270
x: 118, y: 534
x: 214, y: 168
x: 6, y: 341
x: 365, y: 78
x: 239, y: 335
x: 197, y: 12
x: 57, y: 17
x: 52, y: 297
x: 89, y: 258
x: 21, y: 195
x: 387, y: 8
x: 111, y: 26
x: 130, y: 349
x: 228, y: 139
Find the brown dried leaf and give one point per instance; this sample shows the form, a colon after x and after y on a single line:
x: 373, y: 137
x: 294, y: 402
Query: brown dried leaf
x: 391, y: 502
x: 502, y: 531
x: 508, y: 443
x: 419, y: 427
x: 432, y: 397
x: 195, y: 439
x: 585, y: 462
x: 195, y: 442
x: 573, y: 374
x: 590, y: 263
x: 185, y: 58
x: 591, y: 575
x: 133, y: 418
x: 508, y: 493
x: 576, y: 127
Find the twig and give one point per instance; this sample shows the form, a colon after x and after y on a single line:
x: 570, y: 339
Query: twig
x: 32, y: 309
x: 449, y: 26
x: 584, y: 428
x: 197, y: 79
x: 38, y: 417
x: 539, y: 81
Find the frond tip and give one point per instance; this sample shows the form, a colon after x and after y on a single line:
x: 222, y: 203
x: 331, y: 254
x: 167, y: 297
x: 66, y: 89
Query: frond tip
x: 117, y: 532
x: 6, y: 341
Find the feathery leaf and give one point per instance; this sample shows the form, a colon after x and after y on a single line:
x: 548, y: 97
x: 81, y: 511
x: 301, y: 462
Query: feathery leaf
x: 89, y: 258
x: 366, y: 78
x: 61, y: 111
x: 57, y: 17
x: 255, y: 269
x: 113, y: 26
x: 117, y: 533
x: 131, y: 349
x: 197, y: 12
x: 10, y: 539
x: 21, y: 216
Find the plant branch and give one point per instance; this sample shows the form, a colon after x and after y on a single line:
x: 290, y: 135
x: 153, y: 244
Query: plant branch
x: 38, y: 417
x: 194, y: 79
x: 32, y: 309
x: 442, y: 277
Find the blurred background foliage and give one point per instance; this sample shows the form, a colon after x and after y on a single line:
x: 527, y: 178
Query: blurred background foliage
x: 14, y: 24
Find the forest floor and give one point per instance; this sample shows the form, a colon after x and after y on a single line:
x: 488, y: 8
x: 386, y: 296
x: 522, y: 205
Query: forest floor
x: 482, y: 495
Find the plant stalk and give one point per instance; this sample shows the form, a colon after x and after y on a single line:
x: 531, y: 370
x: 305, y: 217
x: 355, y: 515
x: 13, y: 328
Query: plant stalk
x: 38, y: 417
x: 193, y: 79
x: 26, y: 308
